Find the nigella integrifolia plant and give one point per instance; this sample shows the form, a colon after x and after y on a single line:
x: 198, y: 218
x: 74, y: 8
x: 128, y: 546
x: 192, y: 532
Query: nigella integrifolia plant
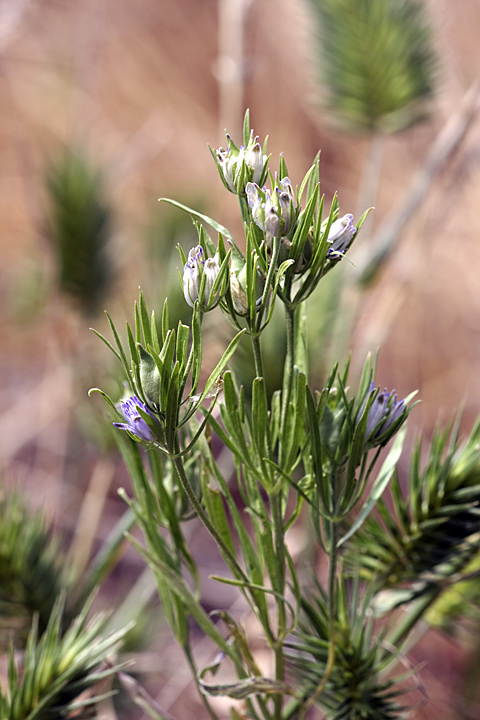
x: 310, y: 447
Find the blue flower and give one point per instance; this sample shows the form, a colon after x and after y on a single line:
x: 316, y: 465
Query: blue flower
x: 383, y: 413
x: 134, y: 422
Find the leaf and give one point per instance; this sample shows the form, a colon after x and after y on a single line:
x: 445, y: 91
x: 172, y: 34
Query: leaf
x: 213, y: 223
x: 244, y: 688
x: 220, y: 367
x: 379, y: 485
x: 179, y: 587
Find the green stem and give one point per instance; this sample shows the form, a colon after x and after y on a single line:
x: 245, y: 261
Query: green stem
x: 332, y: 585
x: 177, y: 461
x: 191, y: 662
x: 279, y: 537
x: 289, y: 363
x: 257, y: 356
x: 272, y: 267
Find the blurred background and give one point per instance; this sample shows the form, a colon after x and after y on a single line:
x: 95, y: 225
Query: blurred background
x: 108, y: 106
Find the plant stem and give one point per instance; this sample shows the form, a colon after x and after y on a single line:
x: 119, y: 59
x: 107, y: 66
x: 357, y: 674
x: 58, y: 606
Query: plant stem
x: 279, y: 536
x: 277, y: 514
x: 257, y: 356
x: 188, y: 654
x: 332, y: 579
x: 289, y: 363
x: 272, y: 267
x: 177, y: 461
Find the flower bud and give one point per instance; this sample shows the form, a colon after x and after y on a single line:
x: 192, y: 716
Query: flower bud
x: 194, y: 270
x: 383, y: 413
x: 255, y: 159
x: 228, y: 163
x: 239, y: 165
x: 340, y: 235
x: 239, y: 296
x: 286, y: 203
x: 275, y: 212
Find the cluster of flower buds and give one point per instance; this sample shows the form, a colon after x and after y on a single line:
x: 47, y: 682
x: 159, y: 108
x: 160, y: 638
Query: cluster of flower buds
x: 199, y: 275
x: 382, y: 416
x: 240, y: 165
x: 274, y: 213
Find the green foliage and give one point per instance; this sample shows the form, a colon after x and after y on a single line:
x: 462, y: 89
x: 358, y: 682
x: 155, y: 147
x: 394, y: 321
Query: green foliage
x: 433, y: 530
x: 376, y: 60
x: 31, y: 575
x: 58, y: 668
x: 35, y: 570
x: 80, y: 226
x: 356, y: 687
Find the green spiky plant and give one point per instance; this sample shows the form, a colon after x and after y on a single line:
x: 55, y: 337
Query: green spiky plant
x: 432, y: 533
x: 376, y: 67
x: 376, y: 62
x: 60, y: 669
x: 79, y: 225
x: 56, y: 652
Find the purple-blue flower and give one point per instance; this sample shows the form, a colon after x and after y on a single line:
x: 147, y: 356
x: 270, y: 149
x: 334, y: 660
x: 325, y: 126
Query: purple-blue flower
x: 384, y: 411
x: 134, y: 422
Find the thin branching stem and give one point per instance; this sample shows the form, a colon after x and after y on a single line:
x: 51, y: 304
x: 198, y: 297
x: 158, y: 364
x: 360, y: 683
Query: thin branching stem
x: 257, y: 356
x: 178, y: 463
x: 332, y: 586
x: 289, y: 362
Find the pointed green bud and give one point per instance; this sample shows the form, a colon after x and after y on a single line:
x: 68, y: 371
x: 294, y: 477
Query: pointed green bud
x: 149, y: 376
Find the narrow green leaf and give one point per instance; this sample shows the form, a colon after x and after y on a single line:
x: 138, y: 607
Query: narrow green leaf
x: 180, y: 588
x: 105, y: 397
x: 165, y: 321
x: 145, y: 320
x: 132, y: 344
x: 216, y: 512
x: 323, y: 488
x: 183, y: 334
x: 196, y: 347
x: 108, y: 344
x: 235, y: 424
x: 246, y: 127
x: 260, y: 429
x: 153, y: 330
x: 380, y: 484
x: 213, y: 223
x: 220, y: 367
